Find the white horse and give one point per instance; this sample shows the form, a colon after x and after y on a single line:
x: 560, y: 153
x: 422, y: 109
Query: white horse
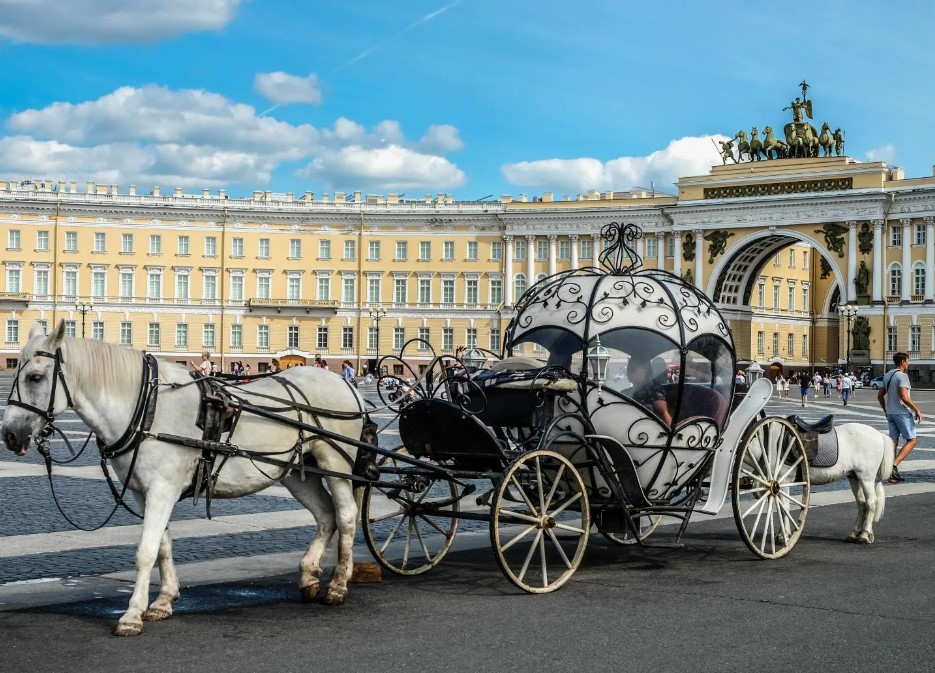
x: 865, y: 457
x: 102, y: 383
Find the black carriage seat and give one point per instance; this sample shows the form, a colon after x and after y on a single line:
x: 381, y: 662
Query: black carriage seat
x: 821, y: 426
x: 698, y: 401
x: 444, y: 432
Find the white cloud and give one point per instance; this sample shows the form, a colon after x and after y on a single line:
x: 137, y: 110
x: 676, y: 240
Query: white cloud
x: 195, y: 139
x: 440, y: 138
x: 682, y: 157
x: 282, y: 88
x: 885, y: 153
x: 110, y: 21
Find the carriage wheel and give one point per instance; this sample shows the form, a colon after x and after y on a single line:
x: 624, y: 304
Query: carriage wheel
x: 646, y: 523
x: 770, y: 487
x: 539, y: 521
x: 406, y: 529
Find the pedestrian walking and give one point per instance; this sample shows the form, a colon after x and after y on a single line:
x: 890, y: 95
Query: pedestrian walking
x: 826, y: 385
x: 846, y: 384
x: 902, y: 414
x: 780, y: 383
x: 804, y: 385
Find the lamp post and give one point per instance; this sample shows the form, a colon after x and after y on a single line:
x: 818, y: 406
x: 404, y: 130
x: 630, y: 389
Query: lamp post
x: 848, y: 311
x: 377, y: 314
x: 83, y: 308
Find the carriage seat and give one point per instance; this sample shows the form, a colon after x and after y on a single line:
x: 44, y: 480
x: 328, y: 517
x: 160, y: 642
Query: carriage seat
x: 516, y: 363
x: 698, y: 401
x: 821, y: 426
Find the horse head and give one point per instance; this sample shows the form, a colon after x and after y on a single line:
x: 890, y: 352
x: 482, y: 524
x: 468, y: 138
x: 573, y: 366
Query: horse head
x: 39, y: 392
x: 825, y: 127
x: 754, y: 132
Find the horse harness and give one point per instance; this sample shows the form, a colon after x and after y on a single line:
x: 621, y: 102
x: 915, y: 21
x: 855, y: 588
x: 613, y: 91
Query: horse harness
x: 819, y: 440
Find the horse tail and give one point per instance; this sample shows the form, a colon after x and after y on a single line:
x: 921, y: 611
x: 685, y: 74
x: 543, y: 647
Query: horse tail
x: 886, y: 467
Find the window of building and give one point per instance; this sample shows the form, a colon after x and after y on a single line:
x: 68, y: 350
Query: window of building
x: 519, y: 249
x: 292, y: 336
x: 236, y: 336
x: 126, y: 244
x: 761, y: 343
x: 804, y: 346
x: 896, y: 234
x: 181, y: 335
x: 425, y: 290
x: 791, y: 258
x: 236, y: 291
x: 182, y: 287
x: 915, y: 338
x: 896, y: 279
x: 777, y: 259
x: 208, y: 335
x: 564, y: 249
x: 98, y: 282
x: 13, y: 241
x: 294, y: 288
x: 470, y: 291
x: 400, y: 290
x: 496, y: 291
x: 295, y: 248
x: 211, y: 287
x: 211, y: 246
x: 42, y: 282
x: 775, y: 343
x: 805, y: 304
x: 373, y: 290
x: 324, y: 288
x: 12, y: 331
x: 126, y: 334
x: 153, y: 335
x: 71, y: 241
x: 920, y: 233
x: 790, y: 297
x: 448, y: 291
x: 402, y: 251
x: 891, y: 338
x: 184, y: 245
x: 321, y: 341
x: 126, y: 285
x: 324, y: 249
x: 263, y: 248
x: 761, y: 295
x: 99, y: 242
x: 805, y: 259
x: 237, y: 247
x: 519, y: 286
x: 349, y: 290
x: 70, y: 283
x: 776, y: 296
x: 71, y: 328
x: 154, y: 285
x: 425, y: 251
x: 650, y: 248
x: 373, y: 339
x: 470, y: 337
x: 918, y: 279
x: 350, y: 250
x: 263, y: 286
x: 542, y: 250
x: 496, y: 250
x: 790, y: 344
x: 425, y: 336
x: 347, y: 337
x: 42, y: 241
x: 399, y: 338
x: 472, y: 251
x: 448, y: 251
x: 155, y: 244
x: 13, y: 280
x: 373, y: 250
x: 670, y: 246
x: 262, y: 336
x: 448, y: 339
x: 495, y: 339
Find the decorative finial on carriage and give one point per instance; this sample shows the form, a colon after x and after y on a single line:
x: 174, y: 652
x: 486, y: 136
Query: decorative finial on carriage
x: 619, y: 254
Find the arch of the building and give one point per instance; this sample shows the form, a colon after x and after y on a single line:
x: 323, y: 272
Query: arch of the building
x: 734, y: 277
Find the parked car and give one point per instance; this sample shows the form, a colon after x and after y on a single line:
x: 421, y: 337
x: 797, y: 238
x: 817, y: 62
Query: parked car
x: 876, y: 383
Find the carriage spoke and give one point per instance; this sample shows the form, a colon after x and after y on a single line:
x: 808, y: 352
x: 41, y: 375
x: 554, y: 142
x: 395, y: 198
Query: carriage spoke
x: 755, y: 477
x: 570, y: 529
x: 518, y: 537
x: 532, y: 508
x: 392, y: 534
x: 539, y: 485
x: 425, y: 550
x: 520, y: 515
x: 768, y: 524
x: 555, y: 483
x: 433, y: 524
x: 532, y: 550
x: 545, y: 566
x: 384, y: 517
x: 788, y: 497
x: 757, y: 503
x: 572, y: 500
x: 408, y: 543
x: 788, y: 515
x: 782, y: 479
x: 558, y: 546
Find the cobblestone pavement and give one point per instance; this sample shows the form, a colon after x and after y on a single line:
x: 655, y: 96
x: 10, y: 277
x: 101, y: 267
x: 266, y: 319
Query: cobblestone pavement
x: 37, y: 543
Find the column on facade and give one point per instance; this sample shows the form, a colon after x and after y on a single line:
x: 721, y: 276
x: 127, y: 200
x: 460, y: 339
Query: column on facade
x: 851, y: 261
x: 677, y: 253
x: 596, y: 249
x: 906, y: 289
x: 552, y: 253
x: 877, y: 294
x: 661, y: 250
x: 929, y: 260
x: 574, y: 250
x: 508, y: 271
x: 530, y: 261
x: 639, y: 249
x: 699, y: 259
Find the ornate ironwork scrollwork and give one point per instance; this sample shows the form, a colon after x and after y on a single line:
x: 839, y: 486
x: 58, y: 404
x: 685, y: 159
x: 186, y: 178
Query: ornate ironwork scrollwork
x: 619, y: 255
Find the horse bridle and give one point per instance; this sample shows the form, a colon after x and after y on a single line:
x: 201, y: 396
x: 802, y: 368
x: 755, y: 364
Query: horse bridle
x: 57, y: 376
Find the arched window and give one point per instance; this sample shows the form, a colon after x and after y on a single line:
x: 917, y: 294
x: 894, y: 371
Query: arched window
x: 519, y: 286
x: 896, y: 279
x: 918, y: 278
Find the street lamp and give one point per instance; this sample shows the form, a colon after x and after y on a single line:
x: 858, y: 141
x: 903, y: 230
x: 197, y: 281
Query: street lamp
x: 377, y: 314
x: 847, y: 311
x: 83, y: 308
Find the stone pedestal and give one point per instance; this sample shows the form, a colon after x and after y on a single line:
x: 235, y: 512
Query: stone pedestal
x: 860, y: 357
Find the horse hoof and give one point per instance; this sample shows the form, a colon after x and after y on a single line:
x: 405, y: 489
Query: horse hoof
x: 128, y: 630
x: 310, y: 592
x: 156, y: 614
x: 336, y: 596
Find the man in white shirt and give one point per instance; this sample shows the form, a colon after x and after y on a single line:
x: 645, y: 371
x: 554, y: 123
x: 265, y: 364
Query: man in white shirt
x: 846, y: 384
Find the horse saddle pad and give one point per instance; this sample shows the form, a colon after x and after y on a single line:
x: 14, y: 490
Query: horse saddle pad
x: 819, y: 440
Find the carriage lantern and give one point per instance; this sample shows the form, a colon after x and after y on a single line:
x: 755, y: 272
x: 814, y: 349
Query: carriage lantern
x: 475, y: 358
x: 754, y: 372
x: 598, y: 357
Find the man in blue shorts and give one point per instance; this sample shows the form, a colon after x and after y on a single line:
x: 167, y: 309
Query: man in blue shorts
x: 901, y: 412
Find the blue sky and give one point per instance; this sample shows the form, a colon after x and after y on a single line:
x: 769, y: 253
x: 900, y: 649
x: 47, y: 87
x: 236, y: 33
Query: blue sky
x: 468, y: 97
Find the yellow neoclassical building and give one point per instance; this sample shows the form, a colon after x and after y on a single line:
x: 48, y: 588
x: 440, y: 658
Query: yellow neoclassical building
x: 779, y: 244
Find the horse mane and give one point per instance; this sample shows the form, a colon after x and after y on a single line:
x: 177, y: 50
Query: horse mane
x: 108, y: 366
